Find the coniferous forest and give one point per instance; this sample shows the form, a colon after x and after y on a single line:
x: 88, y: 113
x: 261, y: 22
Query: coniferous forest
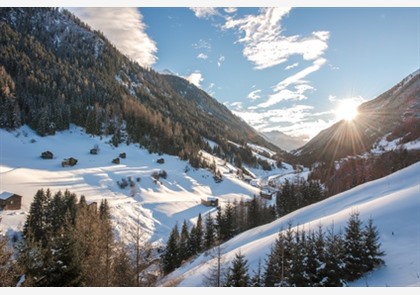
x: 67, y: 242
x: 298, y: 258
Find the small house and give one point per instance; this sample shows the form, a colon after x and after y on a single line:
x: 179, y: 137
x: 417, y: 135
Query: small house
x: 10, y: 201
x: 47, y: 155
x: 210, y: 201
x: 267, y: 194
x: 93, y: 151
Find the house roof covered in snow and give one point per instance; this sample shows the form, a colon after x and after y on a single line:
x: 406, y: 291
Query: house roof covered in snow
x: 5, y: 195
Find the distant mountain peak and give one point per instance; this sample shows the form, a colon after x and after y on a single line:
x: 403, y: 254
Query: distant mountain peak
x: 283, y: 141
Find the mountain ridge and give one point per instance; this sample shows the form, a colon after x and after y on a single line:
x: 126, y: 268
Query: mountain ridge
x: 395, y: 112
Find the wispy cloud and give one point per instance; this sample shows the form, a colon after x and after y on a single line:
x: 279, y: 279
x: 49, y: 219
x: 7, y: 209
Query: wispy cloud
x: 264, y: 41
x: 298, y: 120
x: 289, y: 67
x: 293, y: 87
x: 306, y: 129
x: 220, y: 60
x: 204, y: 12
x: 354, y: 99
x: 124, y: 27
x: 254, y: 94
x: 230, y: 9
x: 202, y: 56
x: 202, y: 44
x: 195, y: 78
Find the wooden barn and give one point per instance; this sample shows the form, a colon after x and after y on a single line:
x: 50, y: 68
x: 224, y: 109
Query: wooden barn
x: 210, y: 201
x: 10, y: 201
x: 267, y: 194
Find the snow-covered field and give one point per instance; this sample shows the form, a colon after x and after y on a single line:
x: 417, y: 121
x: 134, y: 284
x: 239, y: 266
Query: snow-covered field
x: 393, y: 202
x: 157, y: 206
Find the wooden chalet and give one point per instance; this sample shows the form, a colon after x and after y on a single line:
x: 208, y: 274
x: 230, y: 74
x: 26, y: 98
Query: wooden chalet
x: 210, y: 201
x: 10, y: 201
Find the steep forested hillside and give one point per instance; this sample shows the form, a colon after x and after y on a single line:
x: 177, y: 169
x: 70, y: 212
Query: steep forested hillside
x: 55, y: 70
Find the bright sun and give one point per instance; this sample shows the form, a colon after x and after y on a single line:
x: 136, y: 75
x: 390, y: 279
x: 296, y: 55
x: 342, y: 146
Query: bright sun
x: 346, y: 110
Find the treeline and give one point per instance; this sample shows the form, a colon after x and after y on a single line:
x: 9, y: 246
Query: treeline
x: 236, y: 217
x: 68, y: 243
x: 297, y: 194
x: 306, y: 259
x: 229, y: 221
x: 354, y: 171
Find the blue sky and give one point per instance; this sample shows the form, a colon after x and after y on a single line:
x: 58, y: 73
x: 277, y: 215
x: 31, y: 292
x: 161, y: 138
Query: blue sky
x: 279, y: 68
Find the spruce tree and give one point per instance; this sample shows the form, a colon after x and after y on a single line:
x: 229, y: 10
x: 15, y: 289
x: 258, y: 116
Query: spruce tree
x: 274, y: 267
x: 36, y: 222
x: 333, y: 273
x: 209, y: 232
x: 298, y: 272
x: 184, y: 243
x: 170, y: 257
x: 373, y: 253
x: 354, y: 248
x: 237, y: 275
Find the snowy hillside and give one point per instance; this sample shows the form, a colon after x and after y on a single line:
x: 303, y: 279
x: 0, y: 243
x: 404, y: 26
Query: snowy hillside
x: 393, y: 203
x: 156, y: 205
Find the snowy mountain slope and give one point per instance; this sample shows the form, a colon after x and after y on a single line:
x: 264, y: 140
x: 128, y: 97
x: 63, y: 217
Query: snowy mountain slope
x: 157, y: 205
x: 394, y: 204
x: 393, y: 114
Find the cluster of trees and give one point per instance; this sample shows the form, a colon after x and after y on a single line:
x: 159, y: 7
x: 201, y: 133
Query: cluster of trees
x: 297, y: 194
x: 353, y: 171
x: 229, y: 221
x: 301, y: 259
x: 67, y: 242
x: 9, y: 107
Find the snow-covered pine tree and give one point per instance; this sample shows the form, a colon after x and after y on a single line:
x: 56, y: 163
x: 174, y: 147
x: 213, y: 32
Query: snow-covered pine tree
x: 170, y: 257
x: 373, y: 253
x: 237, y: 275
x: 354, y: 248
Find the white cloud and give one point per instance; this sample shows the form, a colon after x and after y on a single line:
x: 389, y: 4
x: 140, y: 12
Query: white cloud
x: 202, y: 56
x: 220, y: 61
x: 237, y: 105
x: 289, y: 67
x: 124, y: 27
x: 353, y: 99
x: 230, y: 10
x: 298, y: 120
x: 264, y: 42
x: 254, y: 94
x: 195, y: 78
x: 204, y: 12
x: 297, y: 78
x: 306, y: 130
x: 283, y: 92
